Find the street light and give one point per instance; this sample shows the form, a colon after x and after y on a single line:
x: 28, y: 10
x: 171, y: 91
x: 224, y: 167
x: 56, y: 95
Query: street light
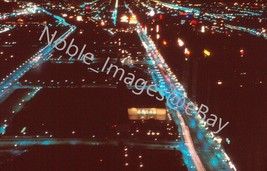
x: 242, y: 52
x: 206, y: 53
x: 186, y: 52
x: 180, y: 42
x: 164, y: 43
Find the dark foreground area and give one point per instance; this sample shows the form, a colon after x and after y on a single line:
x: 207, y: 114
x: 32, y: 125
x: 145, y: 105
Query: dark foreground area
x: 80, y: 158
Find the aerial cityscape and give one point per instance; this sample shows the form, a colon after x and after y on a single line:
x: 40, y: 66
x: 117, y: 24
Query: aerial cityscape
x: 114, y: 85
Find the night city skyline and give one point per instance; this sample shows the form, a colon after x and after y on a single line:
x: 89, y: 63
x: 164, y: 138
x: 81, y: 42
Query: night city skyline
x: 114, y: 85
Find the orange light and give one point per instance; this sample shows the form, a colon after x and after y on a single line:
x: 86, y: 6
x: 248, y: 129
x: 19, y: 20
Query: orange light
x: 206, y: 52
x: 164, y: 43
x: 133, y: 20
x: 186, y: 52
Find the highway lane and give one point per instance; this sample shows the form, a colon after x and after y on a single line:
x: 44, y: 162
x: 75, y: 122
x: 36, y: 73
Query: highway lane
x: 153, y: 53
x: 189, y: 143
x: 27, y: 11
x: 214, y: 159
x: 42, y: 55
x: 21, y: 142
x: 115, y: 13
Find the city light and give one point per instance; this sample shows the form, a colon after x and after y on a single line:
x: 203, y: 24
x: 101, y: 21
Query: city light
x: 203, y: 29
x: 164, y: 42
x: 79, y: 18
x: 206, y: 53
x: 124, y: 19
x: 152, y: 13
x: 186, y: 52
x: 242, y: 52
x: 180, y: 42
x: 157, y: 28
x: 141, y: 89
x: 133, y: 20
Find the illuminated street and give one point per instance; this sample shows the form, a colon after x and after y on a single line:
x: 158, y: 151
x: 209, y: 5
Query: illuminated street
x: 133, y: 85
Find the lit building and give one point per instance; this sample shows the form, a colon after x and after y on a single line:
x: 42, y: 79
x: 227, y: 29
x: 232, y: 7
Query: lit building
x: 147, y: 113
